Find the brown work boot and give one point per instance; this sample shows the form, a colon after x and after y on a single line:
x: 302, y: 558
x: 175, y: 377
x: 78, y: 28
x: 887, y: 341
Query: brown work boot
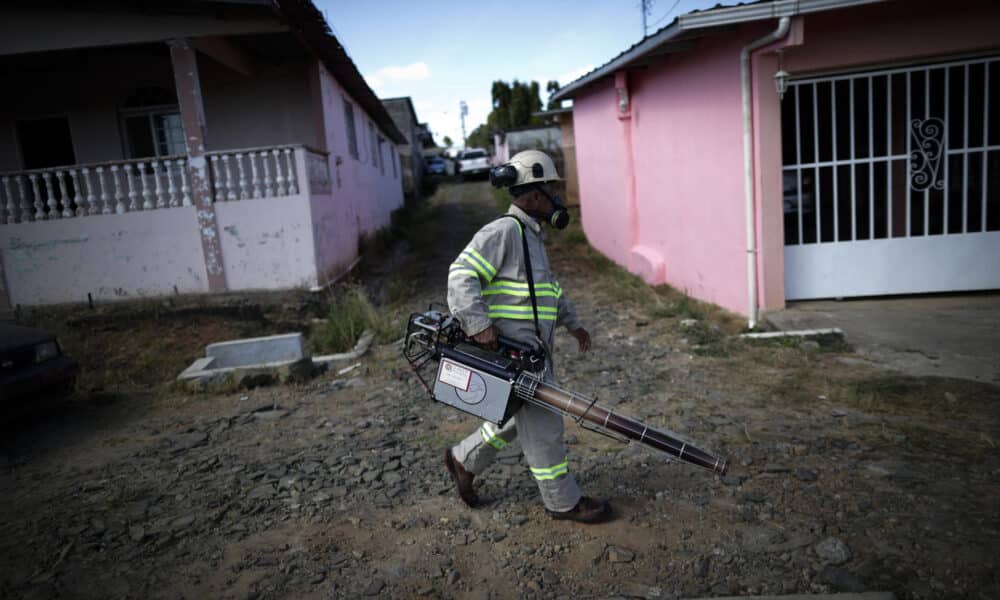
x: 587, y: 510
x: 462, y: 478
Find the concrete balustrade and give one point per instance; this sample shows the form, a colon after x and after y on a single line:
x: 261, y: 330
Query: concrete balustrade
x: 147, y: 184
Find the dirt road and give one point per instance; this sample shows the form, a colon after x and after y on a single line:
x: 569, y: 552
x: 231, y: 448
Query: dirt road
x: 844, y: 478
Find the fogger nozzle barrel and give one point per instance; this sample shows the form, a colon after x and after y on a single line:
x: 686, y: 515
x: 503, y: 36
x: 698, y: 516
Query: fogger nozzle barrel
x: 550, y: 396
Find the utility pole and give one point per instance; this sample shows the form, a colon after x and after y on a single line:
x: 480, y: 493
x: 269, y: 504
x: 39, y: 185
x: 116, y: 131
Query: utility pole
x: 463, y: 109
x: 647, y: 8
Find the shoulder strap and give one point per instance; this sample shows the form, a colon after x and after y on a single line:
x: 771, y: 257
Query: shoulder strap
x: 530, y: 273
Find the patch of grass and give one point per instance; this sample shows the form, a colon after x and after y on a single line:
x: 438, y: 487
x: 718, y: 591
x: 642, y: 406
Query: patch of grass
x: 683, y: 307
x: 708, y: 339
x: 401, y: 288
x: 351, y: 313
x: 931, y: 396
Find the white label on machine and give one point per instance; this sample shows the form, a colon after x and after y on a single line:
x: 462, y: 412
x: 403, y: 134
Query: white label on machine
x: 455, y: 375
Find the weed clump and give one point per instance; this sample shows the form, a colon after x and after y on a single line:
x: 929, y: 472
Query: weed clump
x: 351, y: 313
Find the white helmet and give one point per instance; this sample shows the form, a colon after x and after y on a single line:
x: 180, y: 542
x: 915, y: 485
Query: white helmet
x: 530, y: 166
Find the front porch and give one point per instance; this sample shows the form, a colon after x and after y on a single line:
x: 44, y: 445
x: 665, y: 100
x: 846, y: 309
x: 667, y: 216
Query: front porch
x: 125, y: 229
x: 188, y: 154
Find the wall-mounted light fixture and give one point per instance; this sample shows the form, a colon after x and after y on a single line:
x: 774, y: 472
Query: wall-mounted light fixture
x: 624, y: 100
x: 781, y: 77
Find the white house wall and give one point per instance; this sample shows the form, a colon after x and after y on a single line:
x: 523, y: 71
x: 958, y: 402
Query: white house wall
x: 267, y: 243
x: 137, y: 254
x: 361, y: 198
x: 270, y: 108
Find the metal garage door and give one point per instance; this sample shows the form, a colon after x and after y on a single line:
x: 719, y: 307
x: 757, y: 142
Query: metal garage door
x: 892, y: 181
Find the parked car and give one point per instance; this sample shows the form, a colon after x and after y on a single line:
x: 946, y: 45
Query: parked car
x: 33, y: 365
x: 436, y: 166
x: 474, y: 161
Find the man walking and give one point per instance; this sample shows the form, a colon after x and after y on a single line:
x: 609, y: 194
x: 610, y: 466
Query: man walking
x: 491, y: 293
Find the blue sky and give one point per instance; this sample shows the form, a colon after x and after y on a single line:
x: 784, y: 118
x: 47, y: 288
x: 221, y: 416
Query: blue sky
x: 440, y: 53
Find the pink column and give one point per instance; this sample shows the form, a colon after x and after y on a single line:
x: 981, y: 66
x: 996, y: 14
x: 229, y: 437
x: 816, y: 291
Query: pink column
x: 185, y: 64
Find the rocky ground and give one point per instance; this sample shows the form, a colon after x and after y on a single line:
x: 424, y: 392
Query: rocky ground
x: 844, y: 477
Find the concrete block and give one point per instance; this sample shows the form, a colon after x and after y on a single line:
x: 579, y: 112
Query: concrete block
x: 257, y: 351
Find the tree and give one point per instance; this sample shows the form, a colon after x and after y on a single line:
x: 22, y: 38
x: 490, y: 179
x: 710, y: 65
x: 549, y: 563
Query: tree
x: 479, y: 137
x: 552, y: 87
x: 513, y: 105
x: 447, y: 142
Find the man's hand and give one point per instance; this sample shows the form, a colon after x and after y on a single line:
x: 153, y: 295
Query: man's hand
x: 487, y: 338
x: 582, y: 338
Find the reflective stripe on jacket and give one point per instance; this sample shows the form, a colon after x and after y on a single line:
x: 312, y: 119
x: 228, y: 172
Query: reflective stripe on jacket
x: 487, y: 283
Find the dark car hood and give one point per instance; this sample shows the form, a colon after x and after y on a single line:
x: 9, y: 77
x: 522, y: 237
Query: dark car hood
x: 15, y: 336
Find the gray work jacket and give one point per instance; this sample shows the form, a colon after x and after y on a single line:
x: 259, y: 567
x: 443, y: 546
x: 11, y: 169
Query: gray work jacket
x: 487, y: 283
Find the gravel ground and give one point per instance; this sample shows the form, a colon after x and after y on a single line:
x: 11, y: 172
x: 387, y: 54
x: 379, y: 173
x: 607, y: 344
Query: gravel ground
x: 843, y: 478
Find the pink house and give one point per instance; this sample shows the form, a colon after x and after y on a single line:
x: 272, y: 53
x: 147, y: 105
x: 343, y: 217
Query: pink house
x: 875, y: 171
x: 183, y: 147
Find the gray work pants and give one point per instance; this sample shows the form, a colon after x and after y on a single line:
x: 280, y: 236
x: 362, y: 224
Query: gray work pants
x: 540, y: 432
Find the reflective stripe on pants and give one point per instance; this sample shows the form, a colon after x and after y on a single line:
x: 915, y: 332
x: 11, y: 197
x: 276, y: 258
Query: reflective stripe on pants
x: 540, y: 432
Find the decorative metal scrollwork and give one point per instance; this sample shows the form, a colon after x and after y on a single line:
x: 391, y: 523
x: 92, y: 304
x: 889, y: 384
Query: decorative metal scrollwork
x: 926, y: 154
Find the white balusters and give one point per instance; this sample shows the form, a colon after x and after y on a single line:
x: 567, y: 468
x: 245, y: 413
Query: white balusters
x: 145, y: 184
x: 39, y: 203
x: 158, y: 189
x: 147, y: 192
x: 254, y: 175
x: 25, y: 205
x: 119, y: 193
x: 89, y: 197
x: 185, y: 188
x: 78, y: 198
x: 217, y: 180
x: 281, y: 189
x: 105, y: 202
x: 133, y: 195
x: 244, y: 191
x: 171, y: 188
x: 64, y: 199
x: 50, y: 196
x: 230, y: 185
x: 268, y: 182
x: 290, y: 163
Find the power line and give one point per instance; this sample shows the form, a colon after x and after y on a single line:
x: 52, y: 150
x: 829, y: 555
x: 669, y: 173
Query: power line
x: 667, y: 14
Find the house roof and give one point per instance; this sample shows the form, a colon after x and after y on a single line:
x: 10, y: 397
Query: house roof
x: 679, y: 34
x: 402, y: 100
x: 307, y: 22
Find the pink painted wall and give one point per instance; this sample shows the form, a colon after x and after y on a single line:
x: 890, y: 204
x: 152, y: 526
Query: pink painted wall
x: 601, y: 157
x: 362, y: 197
x: 685, y: 139
x: 686, y: 145
x: 688, y: 152
x: 111, y: 256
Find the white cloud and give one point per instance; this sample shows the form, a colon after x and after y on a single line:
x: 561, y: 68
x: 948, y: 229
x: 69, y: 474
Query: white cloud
x: 417, y: 71
x: 573, y: 75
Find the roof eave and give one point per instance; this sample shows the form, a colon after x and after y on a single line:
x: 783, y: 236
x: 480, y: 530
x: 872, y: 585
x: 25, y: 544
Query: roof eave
x: 719, y: 17
x: 766, y: 10
x: 665, y: 35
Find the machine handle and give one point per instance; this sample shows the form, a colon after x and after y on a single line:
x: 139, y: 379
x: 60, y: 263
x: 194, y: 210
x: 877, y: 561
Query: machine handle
x: 515, y: 345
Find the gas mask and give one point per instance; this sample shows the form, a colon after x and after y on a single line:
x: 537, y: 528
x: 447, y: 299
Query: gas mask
x: 558, y: 218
